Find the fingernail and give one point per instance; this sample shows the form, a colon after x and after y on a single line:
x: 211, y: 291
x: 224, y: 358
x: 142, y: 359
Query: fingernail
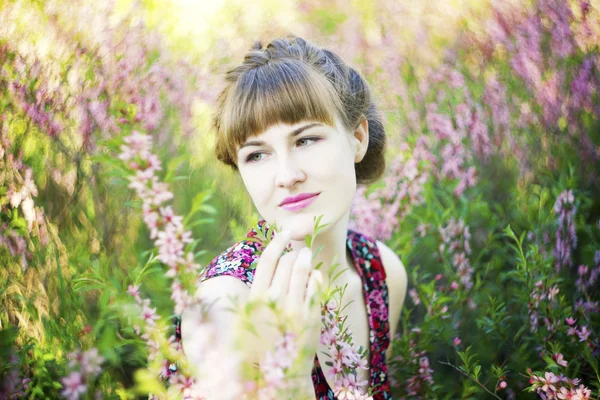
x: 306, y: 254
x: 318, y: 277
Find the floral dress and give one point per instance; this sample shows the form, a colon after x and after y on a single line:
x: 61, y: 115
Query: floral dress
x: 238, y: 261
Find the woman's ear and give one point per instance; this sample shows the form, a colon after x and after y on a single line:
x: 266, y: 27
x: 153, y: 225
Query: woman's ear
x: 361, y: 140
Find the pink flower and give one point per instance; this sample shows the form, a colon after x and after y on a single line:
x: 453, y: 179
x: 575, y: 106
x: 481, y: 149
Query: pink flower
x: 414, y: 296
x: 582, y: 393
x: 139, y: 142
x: 565, y: 393
x: 160, y: 192
x: 558, y: 357
x: 329, y: 336
x: 349, y: 355
x: 171, y: 218
x: 170, y: 248
x: 548, y: 381
x: 457, y: 341
x: 275, y: 363
x: 570, y: 321
x: 183, y: 384
x: 348, y: 387
x: 583, y: 334
x: 332, y: 305
x: 501, y: 385
x: 133, y: 290
x: 149, y: 315
x: 90, y: 362
x: 454, y: 285
x: 73, y: 386
x: 553, y: 291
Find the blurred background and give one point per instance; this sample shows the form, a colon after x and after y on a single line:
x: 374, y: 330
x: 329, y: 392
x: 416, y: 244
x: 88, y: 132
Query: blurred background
x: 491, y: 111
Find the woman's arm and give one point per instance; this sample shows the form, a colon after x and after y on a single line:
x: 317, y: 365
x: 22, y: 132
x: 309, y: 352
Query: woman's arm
x: 396, y: 281
x: 283, y: 292
x: 208, y: 336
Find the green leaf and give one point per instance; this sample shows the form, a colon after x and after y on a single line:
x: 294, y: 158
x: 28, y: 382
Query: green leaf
x: 477, y: 371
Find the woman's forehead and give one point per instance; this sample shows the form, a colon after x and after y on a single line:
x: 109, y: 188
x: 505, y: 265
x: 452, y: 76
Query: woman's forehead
x: 291, y: 129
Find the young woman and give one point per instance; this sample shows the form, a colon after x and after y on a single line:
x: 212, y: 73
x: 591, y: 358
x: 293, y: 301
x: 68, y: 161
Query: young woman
x: 301, y: 128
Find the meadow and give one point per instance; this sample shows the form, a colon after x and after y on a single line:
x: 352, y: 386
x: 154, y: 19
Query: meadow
x: 111, y: 199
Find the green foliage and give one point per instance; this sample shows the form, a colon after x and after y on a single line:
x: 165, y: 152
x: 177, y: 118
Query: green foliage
x: 66, y: 272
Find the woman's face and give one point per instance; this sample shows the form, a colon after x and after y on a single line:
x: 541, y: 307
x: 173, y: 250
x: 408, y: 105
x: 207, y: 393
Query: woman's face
x: 308, y: 159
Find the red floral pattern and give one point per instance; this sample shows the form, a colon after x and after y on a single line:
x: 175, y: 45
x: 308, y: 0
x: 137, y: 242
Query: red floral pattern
x: 239, y: 260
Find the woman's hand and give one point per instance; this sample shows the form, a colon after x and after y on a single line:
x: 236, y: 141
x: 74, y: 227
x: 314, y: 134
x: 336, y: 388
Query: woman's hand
x: 284, y: 297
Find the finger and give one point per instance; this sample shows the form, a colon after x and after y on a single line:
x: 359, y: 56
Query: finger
x: 312, y: 303
x: 299, y: 279
x: 281, y: 278
x: 267, y: 264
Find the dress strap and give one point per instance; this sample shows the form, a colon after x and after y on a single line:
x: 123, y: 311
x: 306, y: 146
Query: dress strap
x: 369, y: 265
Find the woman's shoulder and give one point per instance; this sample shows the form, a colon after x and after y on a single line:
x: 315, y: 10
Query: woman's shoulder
x: 237, y: 260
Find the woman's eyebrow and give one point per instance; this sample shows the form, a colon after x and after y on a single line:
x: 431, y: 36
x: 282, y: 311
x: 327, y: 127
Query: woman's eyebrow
x: 295, y: 132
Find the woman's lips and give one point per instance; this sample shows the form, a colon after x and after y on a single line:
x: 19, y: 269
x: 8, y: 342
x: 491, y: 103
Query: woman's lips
x: 299, y: 205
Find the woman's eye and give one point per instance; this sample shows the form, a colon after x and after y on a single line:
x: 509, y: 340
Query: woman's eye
x: 305, y: 141
x: 254, y: 157
x: 258, y: 156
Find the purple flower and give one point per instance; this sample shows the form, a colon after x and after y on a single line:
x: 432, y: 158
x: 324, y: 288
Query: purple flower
x: 74, y: 386
x: 566, y: 237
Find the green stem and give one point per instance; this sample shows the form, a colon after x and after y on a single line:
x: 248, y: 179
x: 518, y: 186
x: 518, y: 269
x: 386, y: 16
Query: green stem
x: 473, y: 379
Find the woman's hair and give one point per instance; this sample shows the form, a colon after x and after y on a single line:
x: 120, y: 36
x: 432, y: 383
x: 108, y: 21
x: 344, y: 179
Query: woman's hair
x: 289, y: 81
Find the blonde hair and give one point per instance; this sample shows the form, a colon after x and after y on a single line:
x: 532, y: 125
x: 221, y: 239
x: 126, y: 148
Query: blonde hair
x: 289, y: 81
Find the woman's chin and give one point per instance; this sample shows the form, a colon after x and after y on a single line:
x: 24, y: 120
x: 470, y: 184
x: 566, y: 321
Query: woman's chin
x: 299, y: 226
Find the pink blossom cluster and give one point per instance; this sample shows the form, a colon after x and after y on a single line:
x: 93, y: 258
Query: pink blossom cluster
x: 496, y: 99
x: 456, y: 243
x: 155, y: 340
x: 462, y: 134
x: 582, y: 333
x: 23, y: 196
x: 165, y: 227
x: 586, y: 276
x: 85, y: 367
x: 582, y: 91
x: 550, y: 386
x: 37, y: 110
x: 170, y: 238
x: 16, y: 245
x: 524, y: 32
x: 566, y: 237
x: 416, y: 384
x: 130, y: 64
x: 21, y: 189
x: 539, y: 294
x: 378, y: 213
x: 167, y: 230
x: 345, y: 356
x: 454, y: 152
x: 276, y: 364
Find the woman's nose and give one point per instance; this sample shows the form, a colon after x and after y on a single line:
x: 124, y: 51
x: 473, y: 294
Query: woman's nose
x: 289, y: 172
